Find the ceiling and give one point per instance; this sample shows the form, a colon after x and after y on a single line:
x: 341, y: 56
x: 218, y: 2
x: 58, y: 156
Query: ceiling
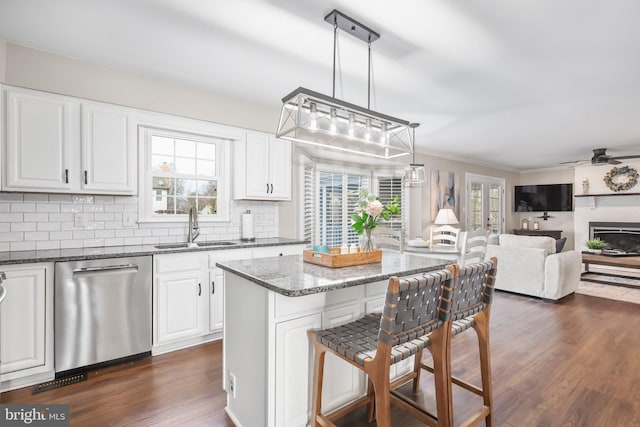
x: 519, y: 85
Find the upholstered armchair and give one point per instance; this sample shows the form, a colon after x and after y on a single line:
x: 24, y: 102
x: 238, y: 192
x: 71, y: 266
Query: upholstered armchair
x: 530, y: 265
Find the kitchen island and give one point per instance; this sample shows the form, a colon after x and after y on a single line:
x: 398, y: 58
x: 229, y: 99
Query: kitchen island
x: 270, y: 303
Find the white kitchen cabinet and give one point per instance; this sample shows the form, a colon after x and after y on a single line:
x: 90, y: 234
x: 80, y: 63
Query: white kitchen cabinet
x: 180, y: 300
x: 108, y: 149
x: 181, y: 307
x: 188, y: 297
x: 27, y: 326
x: 62, y: 144
x: 262, y: 168
x: 293, y: 361
x: 216, y: 285
x: 40, y: 130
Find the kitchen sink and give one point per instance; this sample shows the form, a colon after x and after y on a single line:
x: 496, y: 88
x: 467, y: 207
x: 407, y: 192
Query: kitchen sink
x: 198, y: 244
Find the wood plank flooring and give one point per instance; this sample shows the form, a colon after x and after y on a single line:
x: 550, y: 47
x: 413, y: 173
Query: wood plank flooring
x: 573, y: 363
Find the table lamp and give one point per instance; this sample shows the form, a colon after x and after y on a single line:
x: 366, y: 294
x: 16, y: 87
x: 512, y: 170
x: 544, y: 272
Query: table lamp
x: 445, y: 217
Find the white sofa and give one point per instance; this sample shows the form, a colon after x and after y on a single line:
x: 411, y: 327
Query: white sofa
x: 530, y: 265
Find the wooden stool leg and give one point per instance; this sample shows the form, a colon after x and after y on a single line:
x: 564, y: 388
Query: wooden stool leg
x: 482, y: 329
x: 440, y: 340
x: 318, y: 373
x: 417, y: 370
x: 371, y: 405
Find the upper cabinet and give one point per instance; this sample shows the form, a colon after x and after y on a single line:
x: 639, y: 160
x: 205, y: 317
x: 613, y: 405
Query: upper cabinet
x: 262, y: 168
x: 56, y: 143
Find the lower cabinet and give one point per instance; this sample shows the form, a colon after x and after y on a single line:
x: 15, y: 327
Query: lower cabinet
x: 27, y: 326
x: 188, y: 298
x: 277, y: 391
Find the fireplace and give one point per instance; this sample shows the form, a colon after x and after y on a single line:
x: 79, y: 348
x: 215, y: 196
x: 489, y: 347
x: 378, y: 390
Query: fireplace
x: 620, y: 236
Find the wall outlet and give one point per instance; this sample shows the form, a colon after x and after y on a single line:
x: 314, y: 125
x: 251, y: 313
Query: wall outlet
x: 232, y: 385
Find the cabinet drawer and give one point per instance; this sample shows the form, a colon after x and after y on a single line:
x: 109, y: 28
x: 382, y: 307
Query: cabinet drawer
x: 179, y: 262
x: 228, y: 255
x: 286, y: 306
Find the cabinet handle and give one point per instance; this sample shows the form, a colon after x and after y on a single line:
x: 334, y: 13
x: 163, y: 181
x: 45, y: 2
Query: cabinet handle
x: 199, y: 289
x: 267, y: 188
x: 271, y: 188
x: 213, y: 287
x: 66, y: 176
x: 85, y: 178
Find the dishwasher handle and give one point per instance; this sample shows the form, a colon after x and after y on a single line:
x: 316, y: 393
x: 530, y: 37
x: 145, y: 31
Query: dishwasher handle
x: 123, y: 268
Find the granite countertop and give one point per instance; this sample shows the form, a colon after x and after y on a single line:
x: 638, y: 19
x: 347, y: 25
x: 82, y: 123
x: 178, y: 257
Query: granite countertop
x: 56, y: 255
x: 291, y: 276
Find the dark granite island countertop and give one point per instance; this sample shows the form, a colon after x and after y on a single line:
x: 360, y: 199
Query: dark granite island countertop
x: 291, y: 276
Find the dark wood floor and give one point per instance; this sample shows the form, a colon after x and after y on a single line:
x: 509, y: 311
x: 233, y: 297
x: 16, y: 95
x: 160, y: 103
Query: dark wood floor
x: 574, y: 363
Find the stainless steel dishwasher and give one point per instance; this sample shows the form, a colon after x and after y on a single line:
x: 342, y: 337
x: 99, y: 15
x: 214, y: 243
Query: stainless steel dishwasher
x: 102, y: 311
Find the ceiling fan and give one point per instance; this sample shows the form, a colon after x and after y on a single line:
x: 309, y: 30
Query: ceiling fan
x: 600, y: 157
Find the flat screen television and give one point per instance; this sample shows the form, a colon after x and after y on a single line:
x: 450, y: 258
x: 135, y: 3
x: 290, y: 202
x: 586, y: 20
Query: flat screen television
x: 543, y: 198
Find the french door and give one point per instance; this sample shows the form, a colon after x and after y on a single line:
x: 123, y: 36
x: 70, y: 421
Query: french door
x: 485, y: 203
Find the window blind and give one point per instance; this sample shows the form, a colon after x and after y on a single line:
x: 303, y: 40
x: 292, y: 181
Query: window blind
x: 388, y: 188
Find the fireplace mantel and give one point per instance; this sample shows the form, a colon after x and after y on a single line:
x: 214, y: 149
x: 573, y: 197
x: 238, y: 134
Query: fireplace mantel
x: 607, y: 194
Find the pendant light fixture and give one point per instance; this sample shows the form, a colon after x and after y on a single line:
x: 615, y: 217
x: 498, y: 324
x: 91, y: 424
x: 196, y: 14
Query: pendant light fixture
x: 313, y: 118
x: 414, y: 174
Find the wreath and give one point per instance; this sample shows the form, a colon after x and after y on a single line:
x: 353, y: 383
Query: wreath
x: 612, y: 181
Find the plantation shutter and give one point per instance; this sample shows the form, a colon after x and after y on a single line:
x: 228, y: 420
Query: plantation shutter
x: 388, y: 188
x: 309, y: 204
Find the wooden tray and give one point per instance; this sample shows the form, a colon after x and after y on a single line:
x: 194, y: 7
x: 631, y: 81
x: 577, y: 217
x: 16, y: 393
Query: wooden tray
x: 334, y: 259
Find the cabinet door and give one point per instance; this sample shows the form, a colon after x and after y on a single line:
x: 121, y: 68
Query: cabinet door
x: 182, y: 307
x: 294, y: 368
x: 280, y: 169
x: 216, y: 300
x: 23, y: 320
x: 108, y: 149
x: 40, y: 130
x: 257, y: 166
x: 343, y: 382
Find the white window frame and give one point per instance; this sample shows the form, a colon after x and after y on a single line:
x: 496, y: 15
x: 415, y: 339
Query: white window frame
x: 163, y: 125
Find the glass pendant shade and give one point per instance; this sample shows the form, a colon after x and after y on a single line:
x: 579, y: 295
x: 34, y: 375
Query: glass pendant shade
x: 414, y: 175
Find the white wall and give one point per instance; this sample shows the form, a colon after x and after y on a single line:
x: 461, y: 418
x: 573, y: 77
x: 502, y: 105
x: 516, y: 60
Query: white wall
x: 609, y: 208
x: 3, y: 60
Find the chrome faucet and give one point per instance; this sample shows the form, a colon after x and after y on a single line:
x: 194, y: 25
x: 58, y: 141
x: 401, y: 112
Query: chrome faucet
x: 194, y: 229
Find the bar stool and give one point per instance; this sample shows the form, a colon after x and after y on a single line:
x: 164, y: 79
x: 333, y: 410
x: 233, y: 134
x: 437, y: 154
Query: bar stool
x: 413, y: 319
x: 473, y: 287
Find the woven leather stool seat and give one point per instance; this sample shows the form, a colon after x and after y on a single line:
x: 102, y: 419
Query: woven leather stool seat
x: 358, y: 340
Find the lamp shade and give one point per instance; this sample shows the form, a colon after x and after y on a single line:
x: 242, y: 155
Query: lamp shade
x: 446, y: 216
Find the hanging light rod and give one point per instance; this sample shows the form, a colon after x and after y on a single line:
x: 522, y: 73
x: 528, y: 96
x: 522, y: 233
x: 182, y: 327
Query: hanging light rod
x: 313, y: 118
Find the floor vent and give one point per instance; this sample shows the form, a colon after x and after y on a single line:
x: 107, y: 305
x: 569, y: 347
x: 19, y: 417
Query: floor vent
x: 60, y: 382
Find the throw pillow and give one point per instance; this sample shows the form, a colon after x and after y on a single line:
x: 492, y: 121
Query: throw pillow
x: 560, y: 244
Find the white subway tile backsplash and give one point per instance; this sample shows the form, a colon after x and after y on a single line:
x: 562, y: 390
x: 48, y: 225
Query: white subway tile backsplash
x: 48, y: 226
x: 22, y: 246
x: 36, y: 235
x: 48, y: 207
x: 83, y: 234
x: 11, y: 197
x: 61, y: 235
x: 93, y: 243
x: 51, y: 221
x: 36, y: 198
x: 60, y: 198
x: 57, y: 217
x: 37, y: 217
x: 23, y: 207
x: 23, y: 226
x: 116, y: 241
x: 47, y: 244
